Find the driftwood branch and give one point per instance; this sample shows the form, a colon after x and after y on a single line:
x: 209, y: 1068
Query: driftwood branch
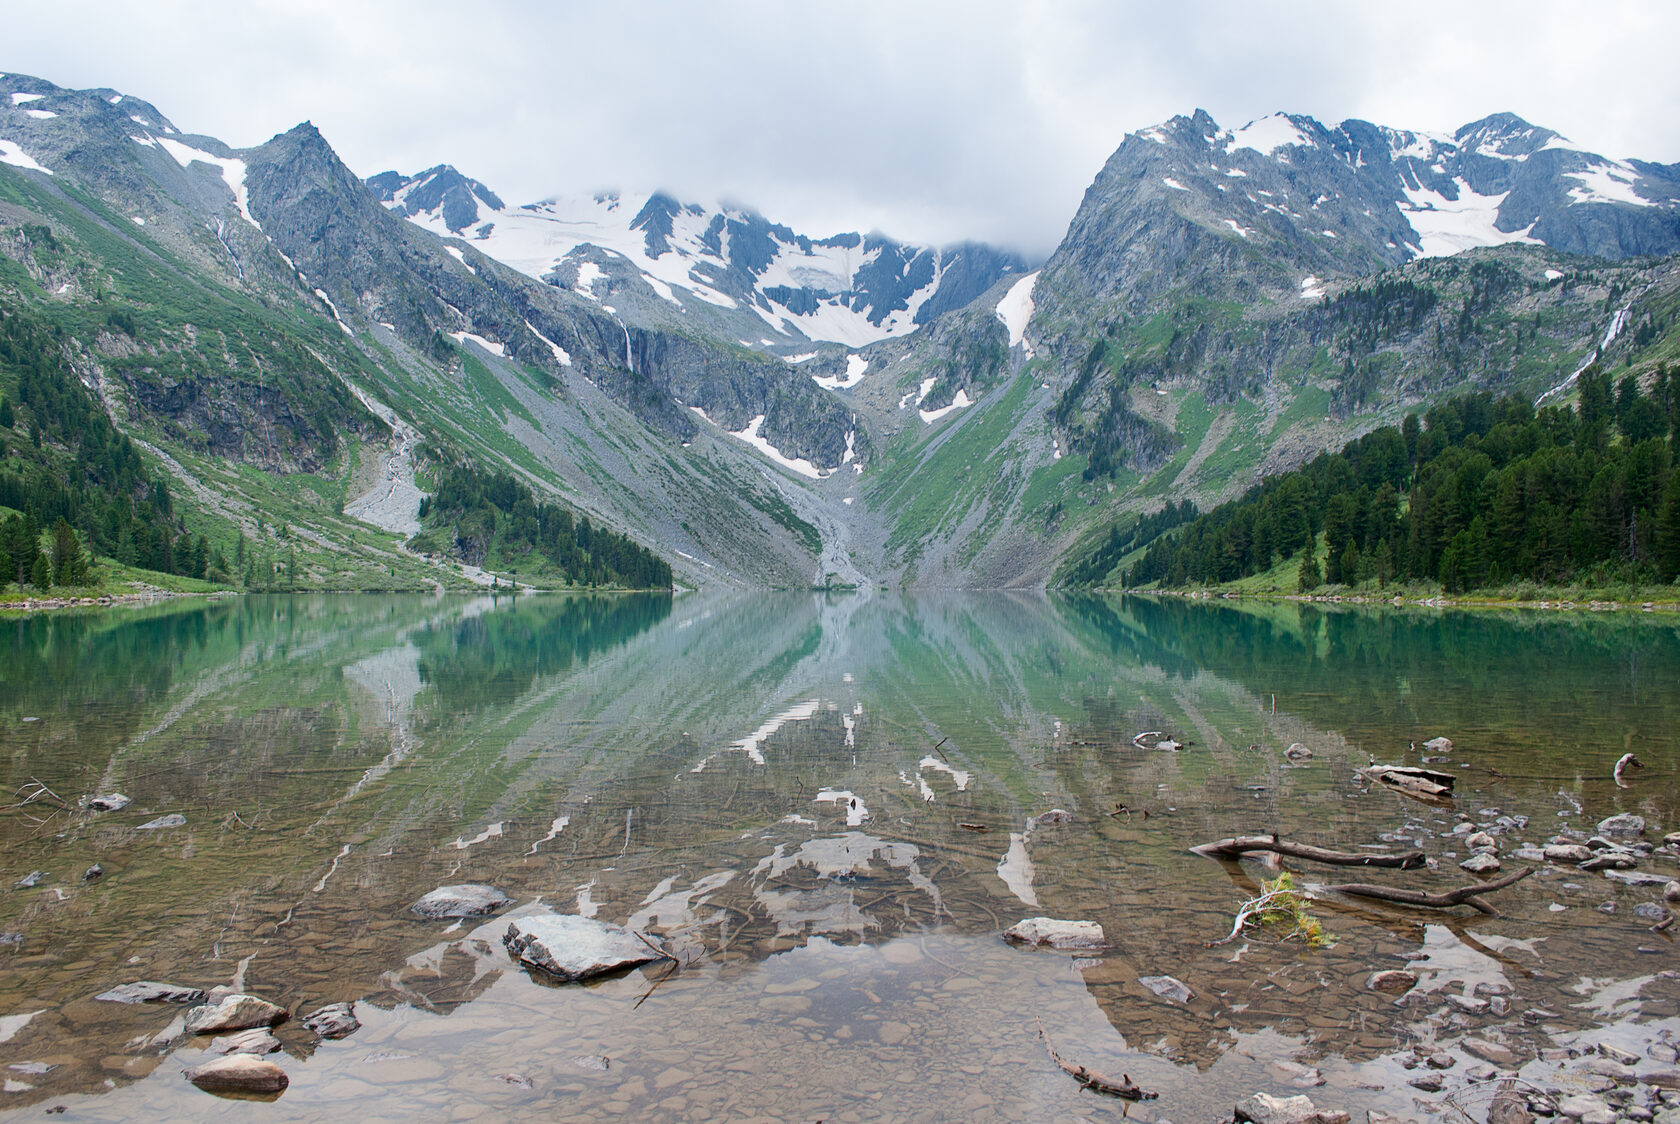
x: 1093, y: 1080
x: 1464, y: 895
x: 1251, y: 908
x: 1242, y: 844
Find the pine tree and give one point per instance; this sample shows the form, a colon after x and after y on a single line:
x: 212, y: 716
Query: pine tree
x: 1308, y: 577
x: 40, y: 575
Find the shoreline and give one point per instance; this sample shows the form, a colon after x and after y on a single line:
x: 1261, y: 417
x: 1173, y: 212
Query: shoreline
x: 1438, y: 601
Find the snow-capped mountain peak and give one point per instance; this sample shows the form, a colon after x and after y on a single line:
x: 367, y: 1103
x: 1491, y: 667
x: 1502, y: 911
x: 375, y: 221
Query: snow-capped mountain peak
x: 715, y: 260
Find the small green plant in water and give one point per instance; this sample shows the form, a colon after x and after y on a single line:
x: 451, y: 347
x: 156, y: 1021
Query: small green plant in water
x: 1285, y: 905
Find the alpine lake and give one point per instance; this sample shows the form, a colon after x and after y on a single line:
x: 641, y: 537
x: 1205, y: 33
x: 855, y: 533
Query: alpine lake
x: 828, y: 808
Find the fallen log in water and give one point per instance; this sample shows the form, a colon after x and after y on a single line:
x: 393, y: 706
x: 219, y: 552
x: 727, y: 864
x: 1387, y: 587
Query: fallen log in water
x: 1093, y: 1080
x: 1242, y: 844
x: 1464, y: 895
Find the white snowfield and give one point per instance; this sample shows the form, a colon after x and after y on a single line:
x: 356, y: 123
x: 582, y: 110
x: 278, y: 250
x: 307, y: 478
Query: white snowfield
x: 1267, y: 135
x: 11, y: 153
x: 1450, y: 226
x: 1016, y: 309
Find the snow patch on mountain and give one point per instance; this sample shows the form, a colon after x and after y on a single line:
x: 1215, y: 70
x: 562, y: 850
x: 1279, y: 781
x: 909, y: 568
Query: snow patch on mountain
x: 1016, y: 308
x: 1449, y: 226
x: 856, y: 367
x: 798, y: 464
x: 231, y: 167
x: 1268, y: 134
x: 1607, y: 183
x: 21, y: 98
x: 11, y: 153
x: 959, y: 402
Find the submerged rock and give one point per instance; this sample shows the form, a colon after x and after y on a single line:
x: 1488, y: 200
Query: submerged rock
x: 1393, y: 981
x: 335, y: 1020
x: 173, y: 819
x: 1651, y: 911
x: 31, y: 880
x: 1438, y: 745
x: 1056, y: 934
x: 146, y: 991
x: 238, y: 1073
x: 460, y: 901
x: 569, y: 947
x: 1263, y: 1108
x: 109, y: 802
x: 1482, y: 841
x: 1624, y: 824
x: 1611, y: 860
x: 1053, y: 816
x: 1492, y: 1052
x: 233, y: 1012
x: 1671, y: 892
x: 1168, y: 988
x: 92, y: 872
x: 1482, y: 863
x: 1297, y: 752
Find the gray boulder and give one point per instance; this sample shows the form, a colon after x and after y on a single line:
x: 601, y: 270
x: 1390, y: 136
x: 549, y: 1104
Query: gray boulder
x: 335, y: 1020
x: 460, y: 901
x: 257, y: 1040
x: 1482, y: 841
x: 233, y: 1012
x: 568, y: 947
x: 1480, y: 863
x: 238, y: 1073
x: 1567, y: 853
x: 147, y: 991
x: 1057, y: 934
x: 1168, y: 988
x: 1625, y: 824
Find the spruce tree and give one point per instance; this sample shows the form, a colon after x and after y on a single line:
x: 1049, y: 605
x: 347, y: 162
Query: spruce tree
x: 1308, y: 577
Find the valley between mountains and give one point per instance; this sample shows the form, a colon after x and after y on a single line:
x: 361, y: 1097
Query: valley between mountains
x: 260, y: 368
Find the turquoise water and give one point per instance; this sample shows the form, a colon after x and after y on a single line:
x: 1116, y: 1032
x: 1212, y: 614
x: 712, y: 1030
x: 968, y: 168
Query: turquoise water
x: 823, y: 804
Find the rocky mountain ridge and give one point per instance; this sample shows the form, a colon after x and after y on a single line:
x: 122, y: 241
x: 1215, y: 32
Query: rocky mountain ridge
x: 1225, y: 303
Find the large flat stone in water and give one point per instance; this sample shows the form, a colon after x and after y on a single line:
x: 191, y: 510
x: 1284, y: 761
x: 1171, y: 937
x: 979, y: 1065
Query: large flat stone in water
x: 470, y: 900
x: 1056, y: 933
x: 569, y: 947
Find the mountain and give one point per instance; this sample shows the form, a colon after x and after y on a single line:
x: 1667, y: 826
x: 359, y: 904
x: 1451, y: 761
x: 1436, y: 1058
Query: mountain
x: 729, y: 267
x: 305, y: 355
x: 1228, y: 303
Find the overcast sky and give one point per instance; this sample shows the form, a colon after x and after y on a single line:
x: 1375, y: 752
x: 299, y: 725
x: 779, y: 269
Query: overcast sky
x: 929, y: 121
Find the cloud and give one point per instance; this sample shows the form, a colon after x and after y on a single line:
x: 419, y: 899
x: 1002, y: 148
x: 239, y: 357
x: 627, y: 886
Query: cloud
x: 932, y: 121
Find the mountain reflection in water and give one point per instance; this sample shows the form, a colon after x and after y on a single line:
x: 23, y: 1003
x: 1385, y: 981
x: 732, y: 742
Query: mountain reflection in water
x: 825, y: 806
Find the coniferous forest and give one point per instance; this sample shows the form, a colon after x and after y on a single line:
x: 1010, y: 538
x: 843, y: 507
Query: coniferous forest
x: 495, y: 519
x: 1478, y: 493
x: 65, y: 469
